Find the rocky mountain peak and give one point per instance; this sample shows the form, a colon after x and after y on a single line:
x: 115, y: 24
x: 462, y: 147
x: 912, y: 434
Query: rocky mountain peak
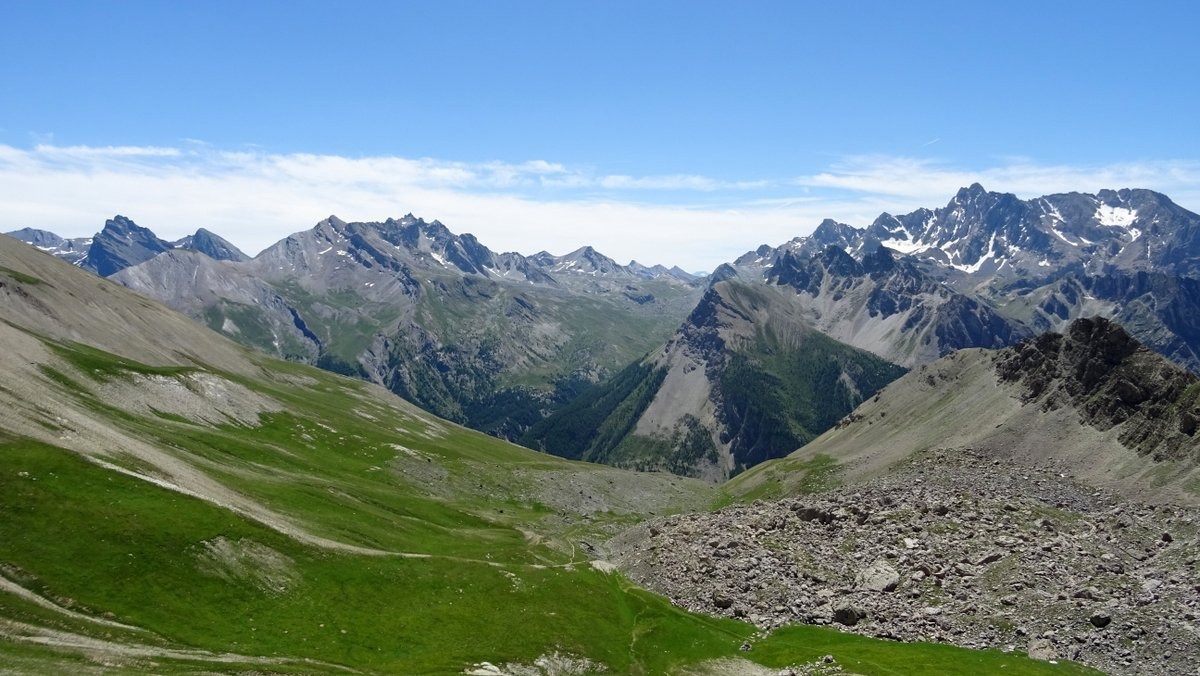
x: 1106, y: 374
x: 211, y: 245
x: 831, y: 232
x: 333, y: 222
x: 120, y: 244
x: 587, y: 260
x: 42, y: 239
x: 969, y: 193
x: 124, y: 226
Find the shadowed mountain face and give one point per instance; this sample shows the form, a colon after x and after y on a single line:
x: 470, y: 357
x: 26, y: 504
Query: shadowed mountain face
x: 743, y: 380
x: 120, y: 244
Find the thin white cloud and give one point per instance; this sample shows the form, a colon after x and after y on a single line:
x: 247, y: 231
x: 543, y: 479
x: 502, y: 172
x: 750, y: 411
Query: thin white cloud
x: 255, y: 198
x: 676, y: 182
x: 930, y: 182
x: 105, y: 151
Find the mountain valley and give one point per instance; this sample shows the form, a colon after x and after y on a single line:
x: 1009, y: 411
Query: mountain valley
x: 574, y: 354
x: 959, y: 440
x: 175, y: 502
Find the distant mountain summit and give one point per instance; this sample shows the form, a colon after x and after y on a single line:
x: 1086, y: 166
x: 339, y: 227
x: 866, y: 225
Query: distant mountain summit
x: 419, y: 244
x: 981, y: 232
x: 211, y: 245
x: 120, y: 244
x: 986, y: 234
x: 989, y: 268
x: 493, y: 340
x: 123, y: 243
x: 70, y: 250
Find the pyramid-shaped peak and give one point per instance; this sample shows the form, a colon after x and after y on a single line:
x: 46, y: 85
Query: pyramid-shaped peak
x: 122, y: 223
x: 973, y: 190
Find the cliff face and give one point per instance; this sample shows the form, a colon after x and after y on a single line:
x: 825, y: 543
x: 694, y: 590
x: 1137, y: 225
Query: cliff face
x: 1111, y: 379
x: 891, y: 306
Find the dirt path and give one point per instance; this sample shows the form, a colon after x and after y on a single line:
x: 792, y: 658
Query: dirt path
x: 53, y: 638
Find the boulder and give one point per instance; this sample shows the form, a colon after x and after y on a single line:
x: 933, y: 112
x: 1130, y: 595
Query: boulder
x: 848, y: 614
x: 1042, y: 649
x: 879, y: 576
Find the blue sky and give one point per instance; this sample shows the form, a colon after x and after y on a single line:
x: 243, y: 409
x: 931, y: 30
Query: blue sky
x: 673, y: 132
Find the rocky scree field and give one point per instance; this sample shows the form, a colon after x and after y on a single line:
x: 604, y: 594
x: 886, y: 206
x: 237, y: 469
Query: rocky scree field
x: 954, y: 547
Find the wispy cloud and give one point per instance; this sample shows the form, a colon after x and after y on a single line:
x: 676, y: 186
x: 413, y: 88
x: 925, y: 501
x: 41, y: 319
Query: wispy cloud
x: 255, y: 197
x: 931, y: 181
x: 70, y: 152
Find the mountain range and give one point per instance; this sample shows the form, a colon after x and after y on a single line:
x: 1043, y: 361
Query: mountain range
x: 655, y: 368
x: 492, y: 340
x: 986, y: 271
x: 178, y: 499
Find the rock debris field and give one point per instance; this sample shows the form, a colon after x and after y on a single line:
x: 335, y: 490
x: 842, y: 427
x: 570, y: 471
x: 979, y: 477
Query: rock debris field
x: 955, y: 547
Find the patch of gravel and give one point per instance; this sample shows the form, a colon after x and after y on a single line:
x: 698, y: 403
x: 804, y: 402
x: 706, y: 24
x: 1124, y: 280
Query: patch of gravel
x: 198, y: 397
x: 954, y: 548
x: 552, y: 664
x: 248, y: 561
x: 734, y: 666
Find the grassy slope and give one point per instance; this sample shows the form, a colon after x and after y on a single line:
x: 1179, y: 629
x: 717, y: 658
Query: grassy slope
x: 116, y: 544
x: 110, y: 545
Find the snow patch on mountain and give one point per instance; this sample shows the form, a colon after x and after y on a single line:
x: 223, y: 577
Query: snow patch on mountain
x: 1115, y: 216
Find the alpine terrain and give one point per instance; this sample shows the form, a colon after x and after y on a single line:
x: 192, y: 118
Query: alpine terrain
x: 1043, y: 497
x: 767, y: 360
x: 494, y: 341
x: 175, y: 502
x: 686, y: 403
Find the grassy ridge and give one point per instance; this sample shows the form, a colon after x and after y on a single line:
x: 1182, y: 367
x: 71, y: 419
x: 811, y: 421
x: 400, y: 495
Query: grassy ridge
x: 119, y: 545
x: 125, y: 547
